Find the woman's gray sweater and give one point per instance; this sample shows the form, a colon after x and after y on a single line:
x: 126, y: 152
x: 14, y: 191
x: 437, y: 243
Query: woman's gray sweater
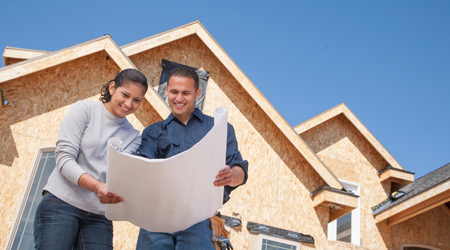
x: 81, y: 148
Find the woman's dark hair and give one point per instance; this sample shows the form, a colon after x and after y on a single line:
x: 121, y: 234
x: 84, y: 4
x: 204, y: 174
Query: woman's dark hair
x: 127, y: 75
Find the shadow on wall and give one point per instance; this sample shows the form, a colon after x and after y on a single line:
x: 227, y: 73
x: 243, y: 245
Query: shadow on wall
x: 8, y: 151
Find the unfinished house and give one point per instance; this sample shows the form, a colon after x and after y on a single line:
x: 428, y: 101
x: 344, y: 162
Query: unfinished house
x: 325, y: 184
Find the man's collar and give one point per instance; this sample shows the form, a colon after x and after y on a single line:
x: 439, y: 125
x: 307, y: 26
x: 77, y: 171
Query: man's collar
x: 199, y: 114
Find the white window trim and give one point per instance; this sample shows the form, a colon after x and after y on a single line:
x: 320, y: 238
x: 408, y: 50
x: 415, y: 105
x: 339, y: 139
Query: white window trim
x: 26, y: 193
x: 403, y: 245
x: 356, y: 217
x: 290, y: 242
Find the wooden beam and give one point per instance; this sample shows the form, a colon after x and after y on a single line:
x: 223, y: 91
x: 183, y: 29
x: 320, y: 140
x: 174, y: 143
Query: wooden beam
x: 446, y: 209
x: 433, y: 196
x: 420, y: 208
x: 159, y: 39
x: 325, y: 197
x: 345, y: 203
x: 23, y: 54
x: 319, y: 119
x: 10, y: 61
x: 52, y: 59
x: 371, y: 138
x: 396, y: 176
x: 268, y: 108
x: 117, y: 55
x: 157, y: 102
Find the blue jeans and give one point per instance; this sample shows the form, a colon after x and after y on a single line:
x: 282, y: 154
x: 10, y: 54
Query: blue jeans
x: 59, y: 226
x: 197, y: 237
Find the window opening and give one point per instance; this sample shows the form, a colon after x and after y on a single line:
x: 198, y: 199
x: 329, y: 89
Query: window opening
x: 202, y: 75
x: 267, y: 242
x: 347, y: 228
x: 21, y: 235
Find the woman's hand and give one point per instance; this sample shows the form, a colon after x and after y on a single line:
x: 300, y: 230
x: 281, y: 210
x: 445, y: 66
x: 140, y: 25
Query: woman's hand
x: 106, y: 197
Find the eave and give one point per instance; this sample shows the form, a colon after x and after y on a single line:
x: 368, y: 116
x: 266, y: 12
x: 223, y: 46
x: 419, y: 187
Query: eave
x: 13, y: 55
x: 339, y: 202
x: 423, y: 202
x: 393, y: 175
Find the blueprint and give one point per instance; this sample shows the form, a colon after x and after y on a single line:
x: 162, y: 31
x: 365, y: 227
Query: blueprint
x: 169, y: 195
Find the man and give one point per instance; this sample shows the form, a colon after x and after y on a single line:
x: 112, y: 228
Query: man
x: 184, y: 127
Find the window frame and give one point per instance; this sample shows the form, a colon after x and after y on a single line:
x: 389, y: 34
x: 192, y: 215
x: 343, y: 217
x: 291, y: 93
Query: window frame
x: 355, y: 215
x: 280, y: 240
x: 403, y: 245
x: 25, y: 194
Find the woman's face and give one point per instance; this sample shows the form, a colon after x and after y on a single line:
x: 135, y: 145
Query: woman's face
x: 125, y: 99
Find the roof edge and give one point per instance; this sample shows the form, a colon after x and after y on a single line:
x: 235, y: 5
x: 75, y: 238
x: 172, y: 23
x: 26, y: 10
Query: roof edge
x: 442, y: 188
x: 51, y: 54
x: 343, y: 109
x: 132, y: 48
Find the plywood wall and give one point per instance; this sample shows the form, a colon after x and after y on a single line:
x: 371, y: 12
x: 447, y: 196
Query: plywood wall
x: 430, y: 228
x: 350, y: 157
x: 37, y: 104
x: 280, y: 180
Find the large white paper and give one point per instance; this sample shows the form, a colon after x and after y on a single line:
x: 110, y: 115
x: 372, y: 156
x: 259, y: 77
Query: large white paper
x: 173, y: 194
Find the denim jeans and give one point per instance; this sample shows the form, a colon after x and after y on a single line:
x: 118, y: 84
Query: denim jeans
x: 59, y: 226
x: 197, y: 237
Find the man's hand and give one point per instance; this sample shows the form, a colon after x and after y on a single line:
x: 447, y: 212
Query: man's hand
x: 230, y: 176
x: 106, y: 197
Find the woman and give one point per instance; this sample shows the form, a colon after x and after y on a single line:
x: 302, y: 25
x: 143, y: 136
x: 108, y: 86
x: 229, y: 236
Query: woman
x: 71, y: 213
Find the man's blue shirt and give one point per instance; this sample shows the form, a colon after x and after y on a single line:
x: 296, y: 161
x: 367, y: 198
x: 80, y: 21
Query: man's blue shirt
x: 170, y: 137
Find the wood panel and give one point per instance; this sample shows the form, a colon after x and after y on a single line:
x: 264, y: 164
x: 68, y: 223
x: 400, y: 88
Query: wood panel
x: 14, y: 55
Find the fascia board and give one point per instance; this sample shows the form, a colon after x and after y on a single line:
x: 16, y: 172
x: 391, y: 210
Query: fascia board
x: 20, y: 53
x: 52, y: 59
x: 160, y: 39
x: 424, y: 201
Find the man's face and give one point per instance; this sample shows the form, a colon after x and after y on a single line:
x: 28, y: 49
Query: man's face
x: 181, y: 95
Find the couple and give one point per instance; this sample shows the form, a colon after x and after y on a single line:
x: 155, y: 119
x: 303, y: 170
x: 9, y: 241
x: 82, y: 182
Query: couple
x: 71, y: 213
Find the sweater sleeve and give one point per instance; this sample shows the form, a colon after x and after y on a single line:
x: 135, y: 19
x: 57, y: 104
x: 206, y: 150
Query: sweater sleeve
x: 134, y: 145
x: 69, y: 139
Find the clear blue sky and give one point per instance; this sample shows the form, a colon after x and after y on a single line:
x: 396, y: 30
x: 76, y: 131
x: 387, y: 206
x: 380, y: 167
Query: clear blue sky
x: 389, y: 61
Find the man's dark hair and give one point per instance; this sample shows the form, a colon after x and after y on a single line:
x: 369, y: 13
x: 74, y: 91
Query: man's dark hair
x: 183, y: 71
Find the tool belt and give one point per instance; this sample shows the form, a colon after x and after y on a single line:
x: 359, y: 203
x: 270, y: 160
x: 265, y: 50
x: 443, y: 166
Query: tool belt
x: 220, y: 235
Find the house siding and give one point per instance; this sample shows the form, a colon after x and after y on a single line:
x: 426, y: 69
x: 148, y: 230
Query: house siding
x: 430, y: 228
x: 350, y: 157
